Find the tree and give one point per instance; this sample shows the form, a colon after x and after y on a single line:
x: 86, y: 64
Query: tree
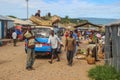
x: 67, y: 20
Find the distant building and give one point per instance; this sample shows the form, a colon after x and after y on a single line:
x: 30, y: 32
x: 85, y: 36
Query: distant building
x: 21, y: 22
x: 88, y: 26
x: 5, y: 24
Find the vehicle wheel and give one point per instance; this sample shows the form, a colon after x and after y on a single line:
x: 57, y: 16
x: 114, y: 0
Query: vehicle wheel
x: 50, y: 55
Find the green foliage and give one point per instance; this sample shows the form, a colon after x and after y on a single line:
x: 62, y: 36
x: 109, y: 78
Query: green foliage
x: 65, y: 20
x: 72, y: 20
x: 77, y: 20
x: 83, y: 51
x: 104, y: 73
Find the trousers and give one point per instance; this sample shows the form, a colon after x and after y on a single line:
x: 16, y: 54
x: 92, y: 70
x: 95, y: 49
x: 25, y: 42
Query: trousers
x: 30, y: 57
x: 70, y: 55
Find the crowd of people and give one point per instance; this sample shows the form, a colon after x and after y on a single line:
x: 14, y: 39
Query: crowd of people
x: 92, y: 37
x: 72, y: 41
x: 70, y: 48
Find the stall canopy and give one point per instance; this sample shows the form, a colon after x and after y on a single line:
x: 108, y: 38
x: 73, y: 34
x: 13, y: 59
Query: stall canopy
x: 18, y: 21
x: 18, y: 27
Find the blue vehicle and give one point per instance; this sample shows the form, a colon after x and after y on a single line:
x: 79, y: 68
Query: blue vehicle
x: 41, y: 45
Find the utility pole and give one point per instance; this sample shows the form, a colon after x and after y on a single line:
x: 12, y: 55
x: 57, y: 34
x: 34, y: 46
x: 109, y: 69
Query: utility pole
x: 27, y: 9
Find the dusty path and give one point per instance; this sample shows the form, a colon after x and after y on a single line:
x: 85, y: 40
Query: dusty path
x: 12, y: 66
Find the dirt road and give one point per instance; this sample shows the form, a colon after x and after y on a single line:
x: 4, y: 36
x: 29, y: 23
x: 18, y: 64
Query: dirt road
x: 12, y: 66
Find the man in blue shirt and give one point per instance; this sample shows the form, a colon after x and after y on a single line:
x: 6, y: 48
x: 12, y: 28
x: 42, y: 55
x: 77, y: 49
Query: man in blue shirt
x: 75, y: 36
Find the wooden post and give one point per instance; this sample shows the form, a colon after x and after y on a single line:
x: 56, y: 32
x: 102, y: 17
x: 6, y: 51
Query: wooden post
x: 107, y: 44
x: 118, y: 50
x: 114, y: 45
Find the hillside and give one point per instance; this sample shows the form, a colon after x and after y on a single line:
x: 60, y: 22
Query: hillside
x: 100, y: 21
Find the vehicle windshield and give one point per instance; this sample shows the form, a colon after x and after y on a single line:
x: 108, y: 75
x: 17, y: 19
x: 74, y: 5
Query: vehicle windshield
x: 41, y: 32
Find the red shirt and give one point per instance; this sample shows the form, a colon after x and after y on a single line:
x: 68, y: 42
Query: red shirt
x: 66, y: 34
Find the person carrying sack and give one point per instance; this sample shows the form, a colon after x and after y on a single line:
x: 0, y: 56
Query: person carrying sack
x: 30, y: 49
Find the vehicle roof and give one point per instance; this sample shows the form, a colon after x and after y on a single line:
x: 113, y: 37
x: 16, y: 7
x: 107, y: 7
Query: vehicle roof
x: 42, y: 27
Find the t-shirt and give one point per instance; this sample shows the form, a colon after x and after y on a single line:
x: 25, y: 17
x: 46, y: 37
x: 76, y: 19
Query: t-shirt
x: 70, y: 43
x: 66, y: 34
x: 14, y: 35
x: 75, y: 36
x: 53, y: 40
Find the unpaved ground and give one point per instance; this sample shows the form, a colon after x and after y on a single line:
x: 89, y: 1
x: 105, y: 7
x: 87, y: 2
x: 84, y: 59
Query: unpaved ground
x: 12, y: 66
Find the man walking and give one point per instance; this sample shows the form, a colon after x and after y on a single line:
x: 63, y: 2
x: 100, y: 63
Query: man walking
x: 70, y: 47
x: 14, y: 36
x: 53, y: 40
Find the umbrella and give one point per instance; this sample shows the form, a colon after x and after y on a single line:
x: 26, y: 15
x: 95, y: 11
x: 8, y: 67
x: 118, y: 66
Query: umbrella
x: 18, y: 27
x: 98, y: 35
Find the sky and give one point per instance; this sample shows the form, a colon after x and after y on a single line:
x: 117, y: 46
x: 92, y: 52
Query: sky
x: 71, y: 8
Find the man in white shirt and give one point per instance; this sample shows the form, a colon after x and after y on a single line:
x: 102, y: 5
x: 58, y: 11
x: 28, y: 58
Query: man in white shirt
x: 14, y: 36
x: 53, y: 40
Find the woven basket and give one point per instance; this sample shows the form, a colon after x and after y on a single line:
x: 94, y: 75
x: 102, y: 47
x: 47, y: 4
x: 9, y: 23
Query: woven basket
x: 27, y: 35
x: 40, y: 21
x: 101, y: 56
x: 90, y: 60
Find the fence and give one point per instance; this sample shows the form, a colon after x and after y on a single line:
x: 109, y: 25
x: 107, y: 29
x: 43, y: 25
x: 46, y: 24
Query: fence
x: 112, y: 45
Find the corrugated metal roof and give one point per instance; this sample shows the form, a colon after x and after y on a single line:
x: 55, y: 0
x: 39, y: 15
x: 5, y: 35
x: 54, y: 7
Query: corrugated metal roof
x: 87, y: 23
x: 21, y: 22
x: 5, y: 18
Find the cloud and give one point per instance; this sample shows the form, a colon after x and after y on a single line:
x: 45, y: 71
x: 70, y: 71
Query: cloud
x: 72, y: 8
x: 78, y: 8
x: 12, y: 1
